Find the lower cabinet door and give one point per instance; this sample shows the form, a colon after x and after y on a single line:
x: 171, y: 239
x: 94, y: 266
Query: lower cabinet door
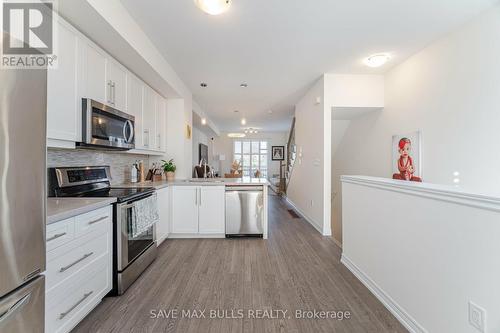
x: 211, y: 210
x: 163, y: 212
x: 69, y: 303
x: 185, y: 209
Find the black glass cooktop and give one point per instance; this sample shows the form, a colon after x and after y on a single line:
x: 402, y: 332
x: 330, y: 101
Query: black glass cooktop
x: 121, y: 194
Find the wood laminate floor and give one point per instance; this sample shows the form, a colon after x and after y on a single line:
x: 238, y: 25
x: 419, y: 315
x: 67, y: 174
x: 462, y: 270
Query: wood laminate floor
x: 295, y: 269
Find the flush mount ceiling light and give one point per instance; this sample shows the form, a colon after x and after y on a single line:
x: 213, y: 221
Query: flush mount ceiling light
x: 236, y: 135
x: 203, y: 121
x: 203, y: 85
x: 213, y: 7
x: 243, y: 85
x: 377, y: 60
x: 243, y: 121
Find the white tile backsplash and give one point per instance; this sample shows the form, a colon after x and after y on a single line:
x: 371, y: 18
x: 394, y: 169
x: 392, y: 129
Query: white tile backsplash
x: 120, y: 163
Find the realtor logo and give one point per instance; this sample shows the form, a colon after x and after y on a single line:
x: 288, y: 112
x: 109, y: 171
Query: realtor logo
x: 28, y: 34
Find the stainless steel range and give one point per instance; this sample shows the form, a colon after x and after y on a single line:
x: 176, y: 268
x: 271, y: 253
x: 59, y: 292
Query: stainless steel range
x: 132, y: 252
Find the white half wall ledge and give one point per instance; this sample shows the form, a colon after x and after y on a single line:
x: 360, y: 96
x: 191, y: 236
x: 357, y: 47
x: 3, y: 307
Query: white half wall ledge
x: 426, y: 251
x: 434, y: 191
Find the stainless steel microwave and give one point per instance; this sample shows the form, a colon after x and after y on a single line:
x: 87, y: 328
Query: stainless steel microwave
x: 105, y: 127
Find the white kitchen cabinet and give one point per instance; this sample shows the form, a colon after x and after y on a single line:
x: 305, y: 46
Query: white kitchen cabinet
x: 162, y: 225
x: 63, y: 109
x: 79, y: 267
x: 185, y: 209
x: 211, y: 210
x: 198, y: 211
x: 135, y: 89
x: 116, y: 85
x: 161, y: 117
x: 149, y: 118
x: 92, y: 72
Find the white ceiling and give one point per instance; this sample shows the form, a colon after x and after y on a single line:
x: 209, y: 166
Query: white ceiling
x: 280, y: 47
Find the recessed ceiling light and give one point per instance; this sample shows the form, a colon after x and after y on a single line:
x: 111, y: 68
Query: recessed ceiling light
x: 377, y: 60
x: 236, y: 111
x: 213, y: 7
x: 243, y: 85
x: 203, y: 85
x: 243, y: 121
x: 203, y: 121
x: 236, y: 135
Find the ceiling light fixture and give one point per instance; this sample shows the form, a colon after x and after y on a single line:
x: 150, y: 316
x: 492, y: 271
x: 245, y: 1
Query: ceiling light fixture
x: 236, y: 135
x: 203, y: 85
x: 377, y: 60
x: 243, y: 121
x: 243, y: 85
x: 203, y: 121
x: 213, y: 7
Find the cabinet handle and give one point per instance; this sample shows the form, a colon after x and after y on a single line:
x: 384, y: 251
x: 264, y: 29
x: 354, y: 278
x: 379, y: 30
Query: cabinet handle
x: 67, y: 312
x: 196, y: 198
x: 109, y: 92
x: 146, y: 135
x: 15, y: 307
x: 159, y: 141
x: 98, y: 220
x: 113, y: 85
x: 56, y: 236
x: 200, y: 196
x: 85, y: 256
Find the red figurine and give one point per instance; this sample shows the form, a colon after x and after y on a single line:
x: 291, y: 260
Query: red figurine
x: 405, y: 162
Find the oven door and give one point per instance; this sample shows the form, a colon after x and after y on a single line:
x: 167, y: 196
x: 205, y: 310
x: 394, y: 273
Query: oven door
x: 128, y: 246
x: 107, y: 127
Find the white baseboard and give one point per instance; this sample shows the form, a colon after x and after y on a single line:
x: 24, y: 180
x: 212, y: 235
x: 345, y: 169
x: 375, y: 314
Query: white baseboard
x: 307, y: 218
x: 404, y: 318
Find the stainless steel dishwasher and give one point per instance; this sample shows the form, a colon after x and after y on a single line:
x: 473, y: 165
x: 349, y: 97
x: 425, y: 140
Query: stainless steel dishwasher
x: 244, y: 211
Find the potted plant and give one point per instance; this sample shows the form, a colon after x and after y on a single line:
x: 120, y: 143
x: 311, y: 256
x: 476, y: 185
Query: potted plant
x: 169, y: 168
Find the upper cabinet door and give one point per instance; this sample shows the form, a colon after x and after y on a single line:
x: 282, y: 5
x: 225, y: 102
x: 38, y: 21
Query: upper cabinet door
x: 63, y: 109
x: 212, y: 210
x: 92, y: 71
x: 135, y: 98
x: 160, y: 123
x: 116, y: 85
x: 149, y: 118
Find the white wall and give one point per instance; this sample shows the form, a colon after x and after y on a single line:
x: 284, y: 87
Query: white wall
x: 224, y: 145
x: 306, y: 190
x: 310, y: 189
x: 424, y: 251
x: 450, y: 91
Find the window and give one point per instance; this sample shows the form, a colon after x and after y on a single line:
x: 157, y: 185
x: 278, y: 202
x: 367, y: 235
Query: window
x: 252, y: 156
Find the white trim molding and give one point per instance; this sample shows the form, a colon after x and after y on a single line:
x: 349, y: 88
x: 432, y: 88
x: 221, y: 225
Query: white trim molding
x: 426, y: 190
x: 404, y: 317
x: 311, y: 221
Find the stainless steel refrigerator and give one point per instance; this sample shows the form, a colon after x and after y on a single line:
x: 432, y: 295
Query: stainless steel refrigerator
x: 23, y: 104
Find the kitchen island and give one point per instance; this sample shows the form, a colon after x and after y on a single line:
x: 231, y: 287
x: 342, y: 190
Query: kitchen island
x: 197, y: 208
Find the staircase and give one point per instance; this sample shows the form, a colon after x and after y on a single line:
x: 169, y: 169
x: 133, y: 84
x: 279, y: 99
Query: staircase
x: 286, y: 167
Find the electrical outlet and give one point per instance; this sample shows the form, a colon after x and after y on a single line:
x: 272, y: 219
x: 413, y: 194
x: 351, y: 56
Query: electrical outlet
x: 477, y: 317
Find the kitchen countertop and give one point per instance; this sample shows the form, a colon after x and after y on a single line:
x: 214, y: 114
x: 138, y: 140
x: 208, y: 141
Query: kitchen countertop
x: 63, y: 208
x: 199, y: 182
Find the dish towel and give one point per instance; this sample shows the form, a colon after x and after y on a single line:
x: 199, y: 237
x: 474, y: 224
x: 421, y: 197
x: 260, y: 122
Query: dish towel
x: 145, y: 215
